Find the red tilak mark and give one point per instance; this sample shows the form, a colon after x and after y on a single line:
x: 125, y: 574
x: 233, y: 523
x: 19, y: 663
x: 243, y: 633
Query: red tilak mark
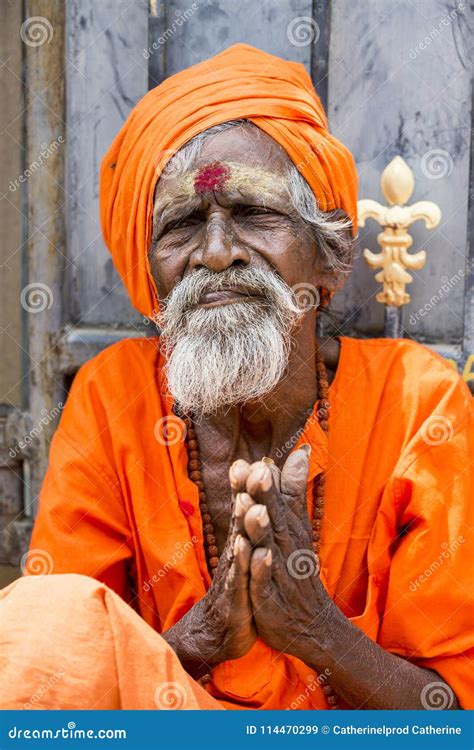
x: 211, y: 178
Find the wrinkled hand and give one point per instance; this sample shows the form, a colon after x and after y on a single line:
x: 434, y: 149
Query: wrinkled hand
x: 288, y: 599
x: 220, y: 626
x: 227, y: 611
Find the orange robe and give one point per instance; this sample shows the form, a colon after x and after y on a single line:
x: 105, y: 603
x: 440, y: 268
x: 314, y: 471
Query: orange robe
x: 117, y: 505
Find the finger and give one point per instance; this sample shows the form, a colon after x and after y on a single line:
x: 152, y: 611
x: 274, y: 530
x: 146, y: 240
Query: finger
x: 263, y: 489
x: 238, y: 581
x: 261, y: 475
x: 294, y: 479
x: 238, y: 474
x: 238, y: 575
x: 266, y: 461
x: 243, y: 502
x: 260, y: 534
x: 275, y: 471
x: 260, y: 575
x: 257, y: 526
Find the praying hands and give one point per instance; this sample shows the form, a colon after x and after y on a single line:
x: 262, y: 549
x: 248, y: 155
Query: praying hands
x: 274, y: 542
x: 267, y: 585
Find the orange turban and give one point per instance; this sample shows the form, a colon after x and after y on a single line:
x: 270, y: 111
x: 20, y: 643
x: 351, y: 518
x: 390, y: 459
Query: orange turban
x: 241, y: 82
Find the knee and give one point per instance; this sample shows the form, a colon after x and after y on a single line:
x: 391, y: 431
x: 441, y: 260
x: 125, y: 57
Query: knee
x: 54, y: 625
x: 58, y: 592
x: 58, y: 583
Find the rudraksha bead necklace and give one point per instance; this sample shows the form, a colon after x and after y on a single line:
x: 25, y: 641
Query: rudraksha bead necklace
x: 195, y: 474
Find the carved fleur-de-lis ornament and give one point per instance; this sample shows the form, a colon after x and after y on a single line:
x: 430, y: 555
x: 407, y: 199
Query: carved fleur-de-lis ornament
x: 397, y: 183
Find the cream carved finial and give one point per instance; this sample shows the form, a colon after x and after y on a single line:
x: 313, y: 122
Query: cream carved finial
x: 397, y: 184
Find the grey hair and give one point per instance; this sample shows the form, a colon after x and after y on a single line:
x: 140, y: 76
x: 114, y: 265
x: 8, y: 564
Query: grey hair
x: 332, y: 234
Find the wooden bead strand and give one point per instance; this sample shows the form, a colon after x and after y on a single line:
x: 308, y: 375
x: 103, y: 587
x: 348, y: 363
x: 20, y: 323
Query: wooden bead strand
x: 195, y: 474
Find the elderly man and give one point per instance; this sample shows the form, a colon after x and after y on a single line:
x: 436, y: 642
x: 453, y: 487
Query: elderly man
x: 288, y: 517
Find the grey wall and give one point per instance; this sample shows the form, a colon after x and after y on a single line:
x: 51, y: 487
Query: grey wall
x: 11, y: 159
x: 399, y: 83
x: 106, y: 76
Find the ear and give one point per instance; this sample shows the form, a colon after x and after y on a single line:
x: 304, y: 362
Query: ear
x: 341, y: 246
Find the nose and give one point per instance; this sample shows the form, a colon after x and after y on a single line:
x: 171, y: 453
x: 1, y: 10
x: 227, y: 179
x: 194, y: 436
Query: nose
x: 219, y: 249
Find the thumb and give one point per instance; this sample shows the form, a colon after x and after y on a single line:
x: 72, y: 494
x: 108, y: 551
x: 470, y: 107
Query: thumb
x: 294, y: 476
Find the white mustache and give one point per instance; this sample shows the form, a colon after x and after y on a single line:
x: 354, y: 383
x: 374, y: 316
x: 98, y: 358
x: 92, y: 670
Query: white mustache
x: 188, y: 292
x: 226, y: 355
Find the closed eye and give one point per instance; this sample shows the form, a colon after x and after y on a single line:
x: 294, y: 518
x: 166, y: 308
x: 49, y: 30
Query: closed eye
x: 192, y: 220
x: 242, y: 210
x: 239, y: 211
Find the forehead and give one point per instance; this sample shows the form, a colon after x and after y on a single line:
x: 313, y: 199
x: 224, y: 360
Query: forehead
x: 241, y: 158
x: 232, y: 178
x: 246, y: 144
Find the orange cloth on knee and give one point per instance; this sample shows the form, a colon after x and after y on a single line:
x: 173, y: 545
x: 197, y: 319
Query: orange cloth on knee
x: 69, y: 642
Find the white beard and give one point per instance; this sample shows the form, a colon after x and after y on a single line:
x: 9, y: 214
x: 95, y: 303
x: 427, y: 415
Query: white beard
x: 222, y: 356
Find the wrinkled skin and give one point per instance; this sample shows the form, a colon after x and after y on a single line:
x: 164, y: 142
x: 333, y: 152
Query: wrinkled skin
x: 221, y: 626
x: 283, y: 579
x: 265, y: 520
